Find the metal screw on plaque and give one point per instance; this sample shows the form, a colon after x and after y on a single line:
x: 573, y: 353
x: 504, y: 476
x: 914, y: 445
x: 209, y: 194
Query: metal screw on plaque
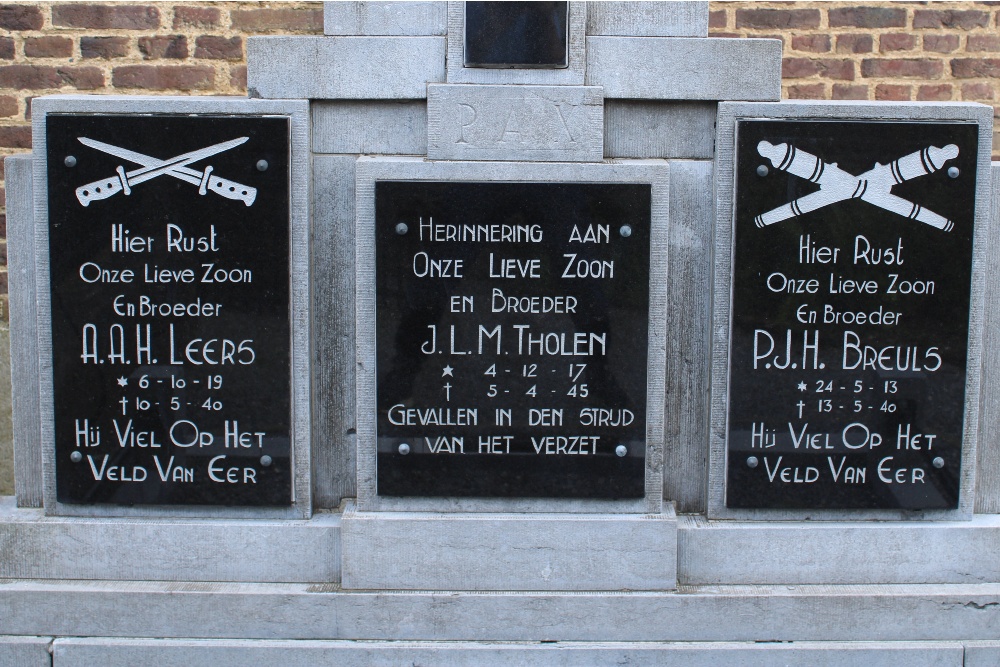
x: 752, y: 461
x: 70, y: 161
x: 265, y: 460
x: 625, y: 231
x: 261, y: 165
x: 621, y: 450
x: 762, y: 170
x: 76, y: 457
x: 953, y: 172
x: 401, y: 228
x: 404, y: 449
x: 938, y: 462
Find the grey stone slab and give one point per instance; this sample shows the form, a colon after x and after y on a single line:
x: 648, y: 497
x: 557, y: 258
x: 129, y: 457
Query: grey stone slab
x: 659, y: 129
x: 689, y: 289
x: 23, y: 331
x: 988, y: 467
x: 25, y: 651
x: 370, y: 170
x: 855, y: 552
x: 6, y: 424
x: 491, y: 552
x: 299, y: 232
x: 729, y: 112
x: 385, y: 18
x: 372, y: 127
x: 33, y: 546
x: 647, y: 19
x: 982, y: 654
x: 335, y: 442
x: 929, y: 612
x: 308, y: 67
x: 685, y: 68
x: 74, y: 652
x: 516, y: 123
x: 573, y: 75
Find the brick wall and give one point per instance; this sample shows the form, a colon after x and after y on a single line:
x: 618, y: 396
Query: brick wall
x: 833, y: 50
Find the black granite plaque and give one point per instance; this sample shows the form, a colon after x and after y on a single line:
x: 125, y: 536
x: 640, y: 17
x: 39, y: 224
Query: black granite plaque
x: 516, y: 34
x: 512, y: 323
x: 850, y: 314
x: 168, y: 246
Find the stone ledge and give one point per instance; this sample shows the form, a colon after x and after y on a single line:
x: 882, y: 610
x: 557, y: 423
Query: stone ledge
x: 685, y: 68
x: 648, y: 19
x: 306, y: 67
x: 502, y: 552
x: 385, y: 18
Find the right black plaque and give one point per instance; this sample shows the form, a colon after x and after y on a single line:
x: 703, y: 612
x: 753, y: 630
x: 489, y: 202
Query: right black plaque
x: 852, y: 267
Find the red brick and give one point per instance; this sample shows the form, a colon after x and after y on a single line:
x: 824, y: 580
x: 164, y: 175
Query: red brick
x: 195, y: 17
x: 32, y: 77
x: 105, y: 17
x: 983, y: 43
x: 977, y: 91
x: 797, y: 68
x: 940, y: 43
x: 938, y: 93
x: 948, y: 18
x: 27, y: 106
x: 3, y: 256
x: 867, y: 17
x: 219, y: 48
x: 777, y: 18
x: 968, y: 68
x: 155, y: 77
x: 902, y: 68
x: 3, y: 282
x: 1, y: 170
x: 3, y: 223
x: 725, y: 34
x: 238, y: 77
x: 812, y: 43
x: 717, y: 19
x: 7, y: 48
x: 855, y: 44
x: 15, y: 136
x: 104, y: 47
x: 812, y: 91
x: 20, y: 17
x: 286, y: 20
x: 8, y: 106
x: 892, y: 92
x: 163, y: 46
x: 843, y: 91
x: 48, y: 47
x: 896, y: 41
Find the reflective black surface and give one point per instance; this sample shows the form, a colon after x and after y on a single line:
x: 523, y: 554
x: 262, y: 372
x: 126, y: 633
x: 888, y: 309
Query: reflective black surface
x: 491, y: 400
x: 170, y: 312
x: 516, y: 34
x: 850, y: 322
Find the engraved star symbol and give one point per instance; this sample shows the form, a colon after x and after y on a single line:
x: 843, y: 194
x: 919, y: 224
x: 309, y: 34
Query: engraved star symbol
x: 123, y: 381
x: 446, y: 372
x: 802, y: 386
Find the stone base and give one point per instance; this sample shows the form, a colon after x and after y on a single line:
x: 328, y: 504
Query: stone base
x: 509, y: 552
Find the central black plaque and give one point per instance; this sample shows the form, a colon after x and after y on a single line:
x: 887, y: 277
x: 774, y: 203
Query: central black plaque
x: 169, y: 263
x: 512, y: 323
x: 850, y: 314
x: 516, y: 34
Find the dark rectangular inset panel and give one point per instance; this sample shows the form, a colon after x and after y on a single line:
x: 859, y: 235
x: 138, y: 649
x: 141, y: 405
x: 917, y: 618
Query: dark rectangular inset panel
x: 170, y: 309
x: 850, y: 314
x: 512, y: 324
x: 516, y: 34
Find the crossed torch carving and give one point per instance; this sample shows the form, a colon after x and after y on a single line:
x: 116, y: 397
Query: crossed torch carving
x: 873, y: 186
x: 152, y: 167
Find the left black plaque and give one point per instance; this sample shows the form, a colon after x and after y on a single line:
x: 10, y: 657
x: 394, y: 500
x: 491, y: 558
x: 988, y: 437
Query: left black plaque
x: 169, y: 278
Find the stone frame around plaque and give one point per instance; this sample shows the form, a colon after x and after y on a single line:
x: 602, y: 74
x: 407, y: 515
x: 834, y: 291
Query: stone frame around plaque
x: 297, y: 113
x: 373, y: 169
x: 725, y: 189
x: 572, y: 74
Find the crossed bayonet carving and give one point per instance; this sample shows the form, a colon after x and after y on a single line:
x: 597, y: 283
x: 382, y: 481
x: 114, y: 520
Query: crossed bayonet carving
x: 873, y: 186
x: 153, y: 167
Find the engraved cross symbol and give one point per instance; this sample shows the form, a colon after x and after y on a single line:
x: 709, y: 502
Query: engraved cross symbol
x: 152, y: 167
x: 873, y: 186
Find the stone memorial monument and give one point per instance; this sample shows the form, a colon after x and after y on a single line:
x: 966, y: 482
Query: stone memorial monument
x: 503, y: 333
